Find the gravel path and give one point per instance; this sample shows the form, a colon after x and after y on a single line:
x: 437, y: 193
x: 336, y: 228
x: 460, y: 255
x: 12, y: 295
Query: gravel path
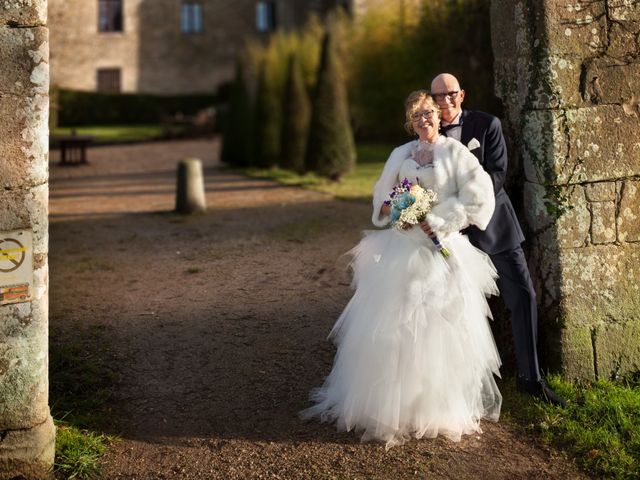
x: 218, y: 324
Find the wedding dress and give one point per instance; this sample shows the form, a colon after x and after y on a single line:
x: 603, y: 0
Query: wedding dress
x: 415, y: 355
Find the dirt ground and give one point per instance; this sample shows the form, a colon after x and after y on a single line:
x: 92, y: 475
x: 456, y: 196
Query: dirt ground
x: 218, y: 323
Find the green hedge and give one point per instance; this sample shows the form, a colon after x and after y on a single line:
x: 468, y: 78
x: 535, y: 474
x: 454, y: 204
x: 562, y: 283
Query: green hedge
x: 92, y: 108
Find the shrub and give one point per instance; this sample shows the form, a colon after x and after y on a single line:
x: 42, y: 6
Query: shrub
x: 94, y: 108
x: 296, y: 111
x: 236, y: 142
x: 330, y: 146
x: 267, y: 120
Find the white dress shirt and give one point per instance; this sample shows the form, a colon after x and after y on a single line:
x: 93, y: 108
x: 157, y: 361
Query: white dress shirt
x: 454, y: 132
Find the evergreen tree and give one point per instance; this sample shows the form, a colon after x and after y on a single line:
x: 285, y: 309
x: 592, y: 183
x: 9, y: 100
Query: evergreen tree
x: 330, y: 146
x: 267, y: 122
x: 296, y: 112
x: 236, y: 142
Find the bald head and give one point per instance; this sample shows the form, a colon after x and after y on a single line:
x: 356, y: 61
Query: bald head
x: 446, y: 91
x: 444, y: 82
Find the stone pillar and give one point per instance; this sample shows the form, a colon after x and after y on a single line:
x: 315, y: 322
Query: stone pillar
x: 568, y: 73
x: 26, y: 427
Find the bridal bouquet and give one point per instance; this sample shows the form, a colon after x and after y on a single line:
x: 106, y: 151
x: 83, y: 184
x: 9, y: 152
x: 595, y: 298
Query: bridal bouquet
x: 410, y: 204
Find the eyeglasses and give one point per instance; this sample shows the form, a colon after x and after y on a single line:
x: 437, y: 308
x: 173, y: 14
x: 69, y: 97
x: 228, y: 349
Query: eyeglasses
x: 441, y: 96
x: 426, y: 114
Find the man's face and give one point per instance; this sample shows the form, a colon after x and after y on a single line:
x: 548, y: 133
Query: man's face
x: 448, y: 95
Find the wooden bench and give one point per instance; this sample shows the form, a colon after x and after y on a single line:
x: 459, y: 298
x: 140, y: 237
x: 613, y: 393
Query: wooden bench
x: 73, y: 148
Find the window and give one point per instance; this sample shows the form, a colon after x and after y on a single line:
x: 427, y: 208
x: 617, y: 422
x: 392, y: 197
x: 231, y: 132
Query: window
x: 109, y: 80
x: 110, y: 15
x: 191, y: 16
x: 266, y: 16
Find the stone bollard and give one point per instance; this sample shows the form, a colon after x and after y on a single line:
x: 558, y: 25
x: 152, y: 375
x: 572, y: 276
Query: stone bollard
x: 190, y: 188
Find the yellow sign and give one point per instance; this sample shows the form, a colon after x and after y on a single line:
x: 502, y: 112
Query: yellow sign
x: 16, y: 266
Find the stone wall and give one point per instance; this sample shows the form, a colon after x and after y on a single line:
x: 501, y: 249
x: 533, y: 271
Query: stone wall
x: 26, y: 427
x: 78, y: 50
x: 153, y: 54
x: 171, y: 62
x: 567, y: 72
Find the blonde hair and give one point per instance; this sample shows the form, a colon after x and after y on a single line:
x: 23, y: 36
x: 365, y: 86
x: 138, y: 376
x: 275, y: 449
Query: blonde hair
x: 411, y: 104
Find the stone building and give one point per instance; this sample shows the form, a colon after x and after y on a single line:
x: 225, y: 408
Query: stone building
x: 161, y: 46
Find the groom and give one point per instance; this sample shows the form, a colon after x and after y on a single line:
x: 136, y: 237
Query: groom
x: 482, y: 134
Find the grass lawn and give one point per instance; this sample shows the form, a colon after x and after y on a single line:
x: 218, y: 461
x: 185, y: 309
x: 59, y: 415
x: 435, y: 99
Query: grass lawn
x: 78, y: 451
x: 357, y: 185
x: 81, y: 381
x: 599, y: 427
x: 115, y: 133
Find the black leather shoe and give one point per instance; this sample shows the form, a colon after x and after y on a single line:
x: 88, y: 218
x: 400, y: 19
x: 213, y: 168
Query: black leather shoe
x: 541, y: 390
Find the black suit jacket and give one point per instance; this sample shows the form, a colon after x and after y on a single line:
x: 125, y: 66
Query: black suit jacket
x: 503, y: 232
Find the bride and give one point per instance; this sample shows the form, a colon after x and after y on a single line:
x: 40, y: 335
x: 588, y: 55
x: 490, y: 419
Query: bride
x: 415, y: 355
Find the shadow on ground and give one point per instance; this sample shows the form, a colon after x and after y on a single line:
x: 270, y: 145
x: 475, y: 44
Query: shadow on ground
x: 215, y: 328
x: 218, y: 321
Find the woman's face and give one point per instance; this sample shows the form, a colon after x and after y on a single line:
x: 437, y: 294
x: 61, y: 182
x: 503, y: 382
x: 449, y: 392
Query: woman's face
x: 425, y: 121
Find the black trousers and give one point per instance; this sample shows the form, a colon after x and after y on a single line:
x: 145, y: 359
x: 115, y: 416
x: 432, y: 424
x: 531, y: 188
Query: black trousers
x: 516, y: 289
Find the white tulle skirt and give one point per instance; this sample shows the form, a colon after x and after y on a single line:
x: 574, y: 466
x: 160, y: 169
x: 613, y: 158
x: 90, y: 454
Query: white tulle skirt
x: 415, y: 355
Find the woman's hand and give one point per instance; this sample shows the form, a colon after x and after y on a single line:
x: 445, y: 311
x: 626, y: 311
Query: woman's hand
x: 426, y: 228
x: 385, y: 210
